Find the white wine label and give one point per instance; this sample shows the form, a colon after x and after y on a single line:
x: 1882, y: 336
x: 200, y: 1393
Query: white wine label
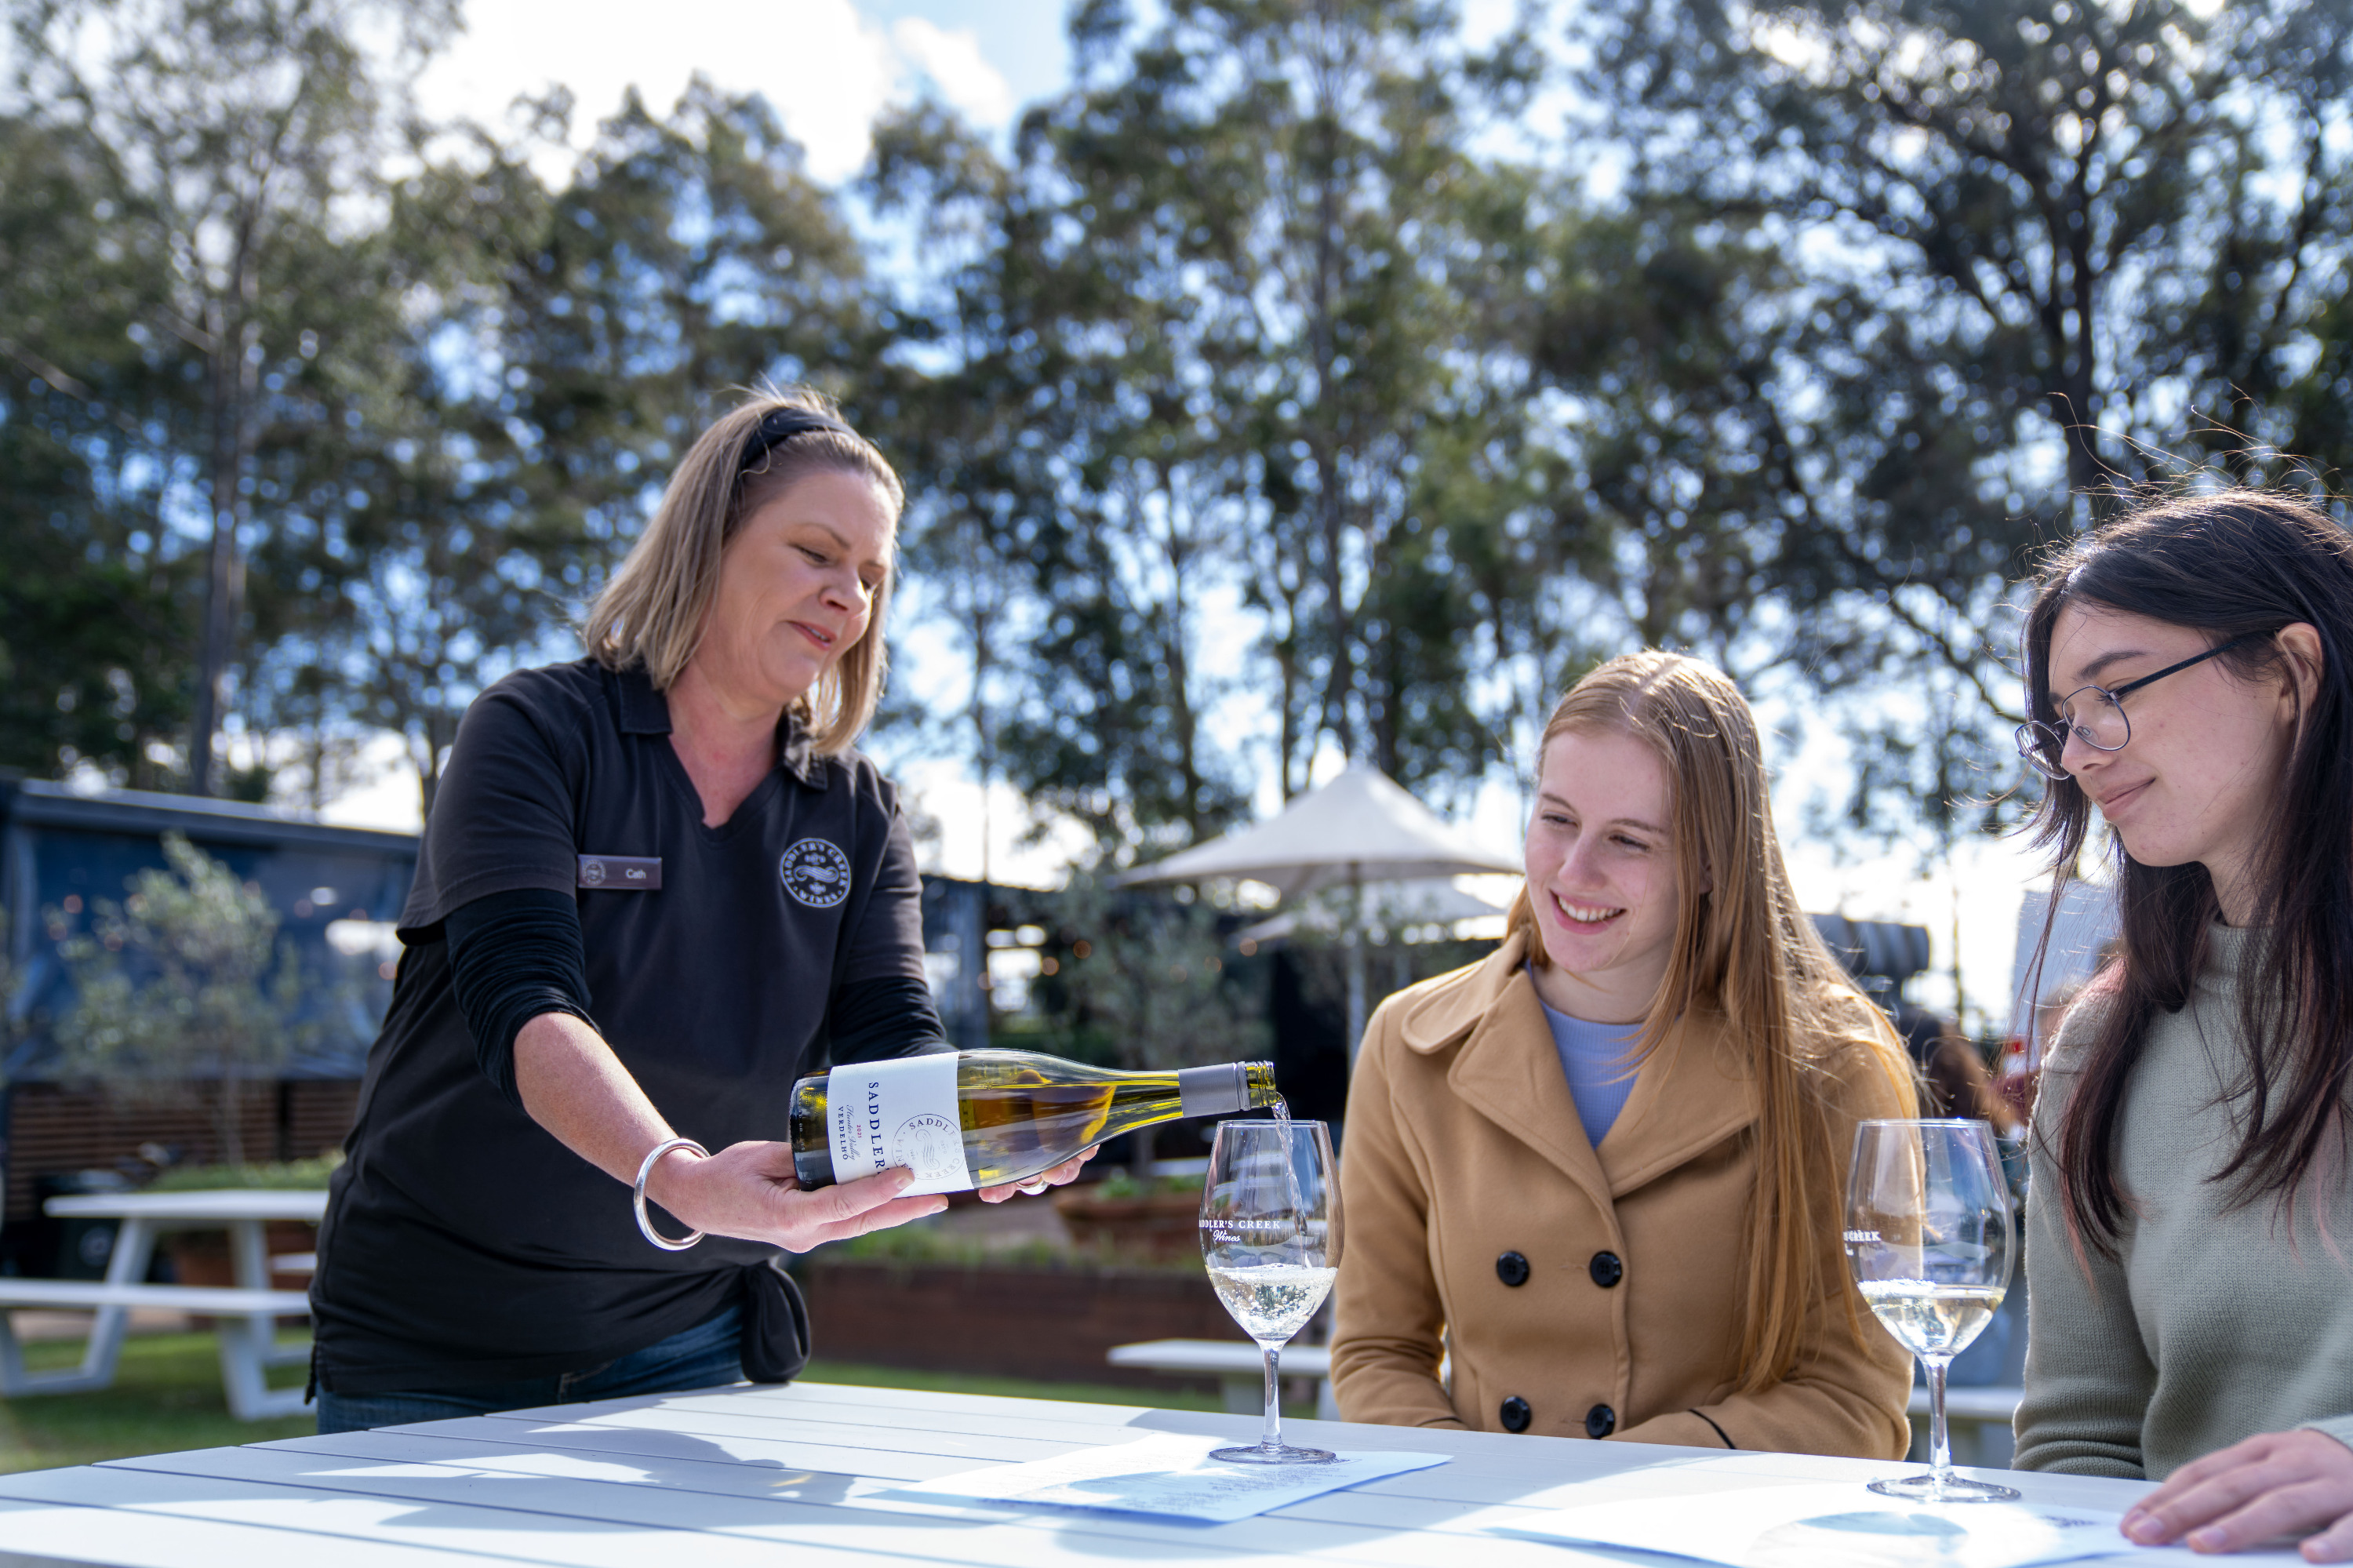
x: 901, y: 1112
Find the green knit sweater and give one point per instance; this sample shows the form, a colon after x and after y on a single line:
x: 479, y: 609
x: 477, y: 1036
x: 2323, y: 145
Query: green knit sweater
x: 2212, y: 1324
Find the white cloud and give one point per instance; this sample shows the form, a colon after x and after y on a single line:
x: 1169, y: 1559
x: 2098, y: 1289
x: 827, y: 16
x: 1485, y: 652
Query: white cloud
x: 953, y: 62
x: 826, y: 67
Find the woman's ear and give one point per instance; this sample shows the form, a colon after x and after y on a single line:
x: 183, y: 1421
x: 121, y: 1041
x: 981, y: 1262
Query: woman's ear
x: 2299, y: 644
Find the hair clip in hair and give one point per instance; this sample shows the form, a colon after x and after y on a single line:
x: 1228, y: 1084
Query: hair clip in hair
x: 780, y: 425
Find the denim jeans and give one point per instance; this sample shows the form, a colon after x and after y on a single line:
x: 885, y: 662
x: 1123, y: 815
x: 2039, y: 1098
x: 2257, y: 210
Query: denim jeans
x: 704, y: 1356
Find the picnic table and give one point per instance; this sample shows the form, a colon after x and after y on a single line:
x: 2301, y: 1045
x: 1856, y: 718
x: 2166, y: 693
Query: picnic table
x: 805, y: 1476
x: 245, y: 1313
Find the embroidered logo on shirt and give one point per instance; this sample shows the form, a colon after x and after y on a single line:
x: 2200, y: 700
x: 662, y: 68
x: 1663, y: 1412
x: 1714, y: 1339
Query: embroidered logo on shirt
x: 816, y: 873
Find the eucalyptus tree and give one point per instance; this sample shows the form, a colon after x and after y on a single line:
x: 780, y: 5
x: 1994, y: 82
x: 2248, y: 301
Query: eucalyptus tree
x: 563, y: 349
x: 236, y: 140
x: 1058, y: 521
x: 691, y: 256
x: 96, y: 643
x: 1921, y: 284
x: 2024, y: 251
x: 1235, y: 351
x: 1296, y: 185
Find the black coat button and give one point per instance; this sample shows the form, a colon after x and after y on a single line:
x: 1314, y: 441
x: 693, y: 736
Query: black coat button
x: 1516, y: 1415
x: 1605, y: 1268
x: 1600, y: 1422
x: 1511, y: 1269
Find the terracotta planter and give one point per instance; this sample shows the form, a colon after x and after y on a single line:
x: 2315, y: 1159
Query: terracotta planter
x: 1162, y: 1226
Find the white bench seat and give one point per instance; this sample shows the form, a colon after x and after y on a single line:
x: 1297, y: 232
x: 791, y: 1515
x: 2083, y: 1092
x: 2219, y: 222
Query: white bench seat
x: 90, y: 1295
x: 1236, y: 1364
x: 1974, y: 1405
x: 242, y: 1317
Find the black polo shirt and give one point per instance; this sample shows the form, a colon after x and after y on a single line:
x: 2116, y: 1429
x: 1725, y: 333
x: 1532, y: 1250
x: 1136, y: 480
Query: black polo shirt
x: 463, y: 1244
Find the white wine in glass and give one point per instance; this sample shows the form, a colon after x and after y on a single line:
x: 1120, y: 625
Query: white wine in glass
x: 1270, y: 1237
x: 1929, y: 1238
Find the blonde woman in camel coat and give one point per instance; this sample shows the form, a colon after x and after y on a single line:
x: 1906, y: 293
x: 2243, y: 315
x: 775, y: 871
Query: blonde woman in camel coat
x: 1683, y: 1280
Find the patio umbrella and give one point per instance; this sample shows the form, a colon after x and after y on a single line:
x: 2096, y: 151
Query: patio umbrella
x: 1357, y: 828
x: 1433, y: 902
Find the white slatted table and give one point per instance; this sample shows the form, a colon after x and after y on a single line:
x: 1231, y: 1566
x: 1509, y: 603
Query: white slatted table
x: 803, y: 1476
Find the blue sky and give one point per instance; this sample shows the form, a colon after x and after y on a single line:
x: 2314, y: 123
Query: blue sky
x: 827, y: 66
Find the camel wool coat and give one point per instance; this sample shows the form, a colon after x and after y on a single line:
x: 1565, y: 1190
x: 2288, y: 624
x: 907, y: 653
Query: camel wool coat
x: 1585, y: 1291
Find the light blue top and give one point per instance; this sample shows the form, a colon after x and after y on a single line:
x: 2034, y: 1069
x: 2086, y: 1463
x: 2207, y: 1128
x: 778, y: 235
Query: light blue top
x: 1598, y: 1060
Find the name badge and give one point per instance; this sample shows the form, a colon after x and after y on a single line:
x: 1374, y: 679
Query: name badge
x: 621, y: 873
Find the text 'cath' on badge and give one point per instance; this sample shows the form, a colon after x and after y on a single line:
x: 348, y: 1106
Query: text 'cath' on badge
x: 621, y: 873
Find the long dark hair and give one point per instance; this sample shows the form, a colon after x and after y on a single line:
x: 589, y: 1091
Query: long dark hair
x: 2238, y: 563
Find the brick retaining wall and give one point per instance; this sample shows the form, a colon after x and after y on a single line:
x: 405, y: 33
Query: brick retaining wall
x: 53, y: 1128
x: 1051, y: 1324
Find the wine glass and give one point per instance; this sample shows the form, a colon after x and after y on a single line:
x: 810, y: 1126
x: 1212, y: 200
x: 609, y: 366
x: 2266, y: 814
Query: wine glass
x: 1270, y: 1236
x: 1928, y: 1239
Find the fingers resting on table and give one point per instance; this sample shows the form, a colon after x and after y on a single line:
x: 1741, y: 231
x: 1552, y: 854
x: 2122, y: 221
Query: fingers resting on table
x: 2272, y: 1485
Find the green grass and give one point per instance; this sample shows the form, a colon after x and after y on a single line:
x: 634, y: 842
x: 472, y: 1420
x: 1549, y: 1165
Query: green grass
x: 167, y: 1395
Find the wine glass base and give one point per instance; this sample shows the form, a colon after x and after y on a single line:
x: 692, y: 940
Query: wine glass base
x: 1281, y: 1453
x: 1930, y: 1488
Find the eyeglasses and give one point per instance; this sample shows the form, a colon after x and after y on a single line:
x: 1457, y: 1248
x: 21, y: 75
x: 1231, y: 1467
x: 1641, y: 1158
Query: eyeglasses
x: 2096, y: 716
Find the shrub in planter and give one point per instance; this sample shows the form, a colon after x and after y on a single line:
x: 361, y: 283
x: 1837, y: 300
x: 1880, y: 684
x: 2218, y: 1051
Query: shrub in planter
x: 1122, y: 1217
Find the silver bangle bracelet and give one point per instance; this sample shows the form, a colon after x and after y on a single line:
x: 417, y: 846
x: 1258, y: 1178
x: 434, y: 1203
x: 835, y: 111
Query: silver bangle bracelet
x: 646, y: 1225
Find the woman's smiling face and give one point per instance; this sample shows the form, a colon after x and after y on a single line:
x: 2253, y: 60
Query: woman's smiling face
x: 1602, y: 874
x: 2196, y: 780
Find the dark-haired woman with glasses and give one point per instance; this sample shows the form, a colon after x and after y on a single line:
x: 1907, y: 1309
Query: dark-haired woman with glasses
x: 658, y: 885
x: 2190, y: 675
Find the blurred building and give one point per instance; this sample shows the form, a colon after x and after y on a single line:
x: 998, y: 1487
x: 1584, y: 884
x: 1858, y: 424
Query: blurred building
x: 337, y: 892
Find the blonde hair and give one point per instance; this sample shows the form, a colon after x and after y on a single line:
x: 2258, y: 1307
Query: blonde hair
x: 1743, y: 947
x: 653, y: 614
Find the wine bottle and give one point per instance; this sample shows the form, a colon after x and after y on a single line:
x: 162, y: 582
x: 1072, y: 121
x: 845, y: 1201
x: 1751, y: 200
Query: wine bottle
x: 981, y: 1119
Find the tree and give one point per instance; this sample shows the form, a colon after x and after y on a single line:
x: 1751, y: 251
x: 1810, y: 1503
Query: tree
x: 184, y: 982
x: 230, y: 142
x: 94, y: 641
x: 1246, y: 323
x: 2006, y: 253
x: 561, y: 349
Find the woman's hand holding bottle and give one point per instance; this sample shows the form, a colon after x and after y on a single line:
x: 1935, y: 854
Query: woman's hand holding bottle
x: 747, y: 1191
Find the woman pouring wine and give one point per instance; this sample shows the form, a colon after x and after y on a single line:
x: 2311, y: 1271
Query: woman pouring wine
x: 657, y: 887
x: 1602, y: 1169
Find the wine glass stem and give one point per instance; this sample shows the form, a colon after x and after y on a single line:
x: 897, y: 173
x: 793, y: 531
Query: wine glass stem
x: 1940, y: 1442
x: 1270, y: 1435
